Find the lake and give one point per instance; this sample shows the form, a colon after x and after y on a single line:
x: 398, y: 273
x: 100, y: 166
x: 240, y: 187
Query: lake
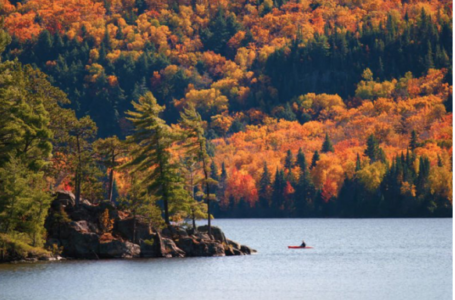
x: 351, y: 259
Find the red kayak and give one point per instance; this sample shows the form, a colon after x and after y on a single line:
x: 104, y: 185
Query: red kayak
x: 299, y: 247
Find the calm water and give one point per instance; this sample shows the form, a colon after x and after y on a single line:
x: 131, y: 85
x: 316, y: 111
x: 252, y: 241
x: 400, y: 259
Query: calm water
x: 351, y: 259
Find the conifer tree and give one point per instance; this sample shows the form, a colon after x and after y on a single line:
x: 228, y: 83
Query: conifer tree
x: 196, y: 145
x: 413, y: 141
x: 301, y: 160
x: 153, y: 139
x: 289, y: 161
x: 109, y: 151
x: 358, y: 163
x: 327, y: 145
x: 265, y: 187
x: 315, y: 159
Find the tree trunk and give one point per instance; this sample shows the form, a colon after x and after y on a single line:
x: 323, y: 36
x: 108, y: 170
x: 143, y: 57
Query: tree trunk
x: 111, y: 181
x: 78, y: 174
x: 134, y: 229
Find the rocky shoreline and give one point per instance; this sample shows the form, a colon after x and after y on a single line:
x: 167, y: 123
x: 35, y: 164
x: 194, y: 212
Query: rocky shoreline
x: 77, y: 233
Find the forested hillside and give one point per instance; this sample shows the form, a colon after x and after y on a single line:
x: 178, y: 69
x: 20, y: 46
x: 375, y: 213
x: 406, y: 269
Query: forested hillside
x: 260, y: 108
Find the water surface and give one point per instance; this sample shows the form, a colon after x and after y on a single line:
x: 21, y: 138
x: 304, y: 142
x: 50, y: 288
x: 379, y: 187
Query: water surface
x: 351, y: 259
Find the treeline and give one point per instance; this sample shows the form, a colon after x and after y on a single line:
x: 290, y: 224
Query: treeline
x: 377, y: 188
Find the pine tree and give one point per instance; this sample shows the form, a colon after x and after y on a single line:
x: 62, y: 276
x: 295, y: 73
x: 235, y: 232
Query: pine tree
x: 265, y: 187
x: 358, y: 163
x: 413, y: 141
x: 153, y: 139
x: 327, y: 145
x: 440, y: 164
x: 315, y: 159
x: 301, y: 160
x: 141, y: 203
x: 79, y: 151
x: 304, y: 192
x: 278, y: 191
x: 109, y: 151
x: 196, y: 145
x: 289, y: 162
x: 373, y: 151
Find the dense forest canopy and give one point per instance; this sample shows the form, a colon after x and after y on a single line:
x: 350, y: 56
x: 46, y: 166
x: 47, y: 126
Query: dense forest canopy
x: 259, y: 108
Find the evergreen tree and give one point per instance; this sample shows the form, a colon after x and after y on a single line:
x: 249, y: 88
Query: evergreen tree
x: 278, y: 192
x: 327, y: 145
x: 151, y: 156
x: 373, y: 151
x: 289, y: 161
x: 196, y: 144
x: 358, y: 163
x: 140, y: 203
x: 413, y: 141
x: 304, y: 193
x: 315, y: 159
x: 265, y: 188
x: 301, y: 160
x: 109, y: 151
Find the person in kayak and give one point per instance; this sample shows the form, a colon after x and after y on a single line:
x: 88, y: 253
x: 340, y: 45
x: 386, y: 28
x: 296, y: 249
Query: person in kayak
x: 303, y: 244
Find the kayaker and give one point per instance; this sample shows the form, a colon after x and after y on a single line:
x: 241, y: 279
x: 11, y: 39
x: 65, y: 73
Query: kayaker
x: 303, y: 244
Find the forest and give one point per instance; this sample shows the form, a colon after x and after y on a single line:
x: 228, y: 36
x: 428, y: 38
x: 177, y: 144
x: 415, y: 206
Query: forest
x: 182, y: 109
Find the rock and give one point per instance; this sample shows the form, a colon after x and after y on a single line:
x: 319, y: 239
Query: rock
x: 172, y: 249
x: 119, y: 249
x: 202, y: 236
x: 237, y: 252
x: 78, y: 240
x: 229, y: 250
x: 151, y: 248
x: 245, y: 249
x: 174, y: 232
x: 125, y: 228
x: 193, y: 247
x: 76, y: 230
x: 234, y: 244
x: 64, y: 198
x: 80, y: 226
x: 217, y: 233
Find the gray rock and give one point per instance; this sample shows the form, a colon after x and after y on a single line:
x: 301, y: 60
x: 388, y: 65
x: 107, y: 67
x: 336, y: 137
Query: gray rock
x: 118, y: 249
x: 64, y: 198
x: 126, y: 229
x: 172, y: 249
x: 217, y: 233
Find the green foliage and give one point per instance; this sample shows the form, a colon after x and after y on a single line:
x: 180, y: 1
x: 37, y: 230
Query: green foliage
x: 373, y: 151
x: 327, y: 145
x: 196, y: 149
x: 108, y: 152
x: 150, y: 155
x: 315, y: 159
x: 140, y: 203
x: 24, y: 120
x: 24, y: 201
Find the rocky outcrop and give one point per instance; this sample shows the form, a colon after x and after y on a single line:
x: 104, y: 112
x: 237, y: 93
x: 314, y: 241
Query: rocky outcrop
x: 79, y: 232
